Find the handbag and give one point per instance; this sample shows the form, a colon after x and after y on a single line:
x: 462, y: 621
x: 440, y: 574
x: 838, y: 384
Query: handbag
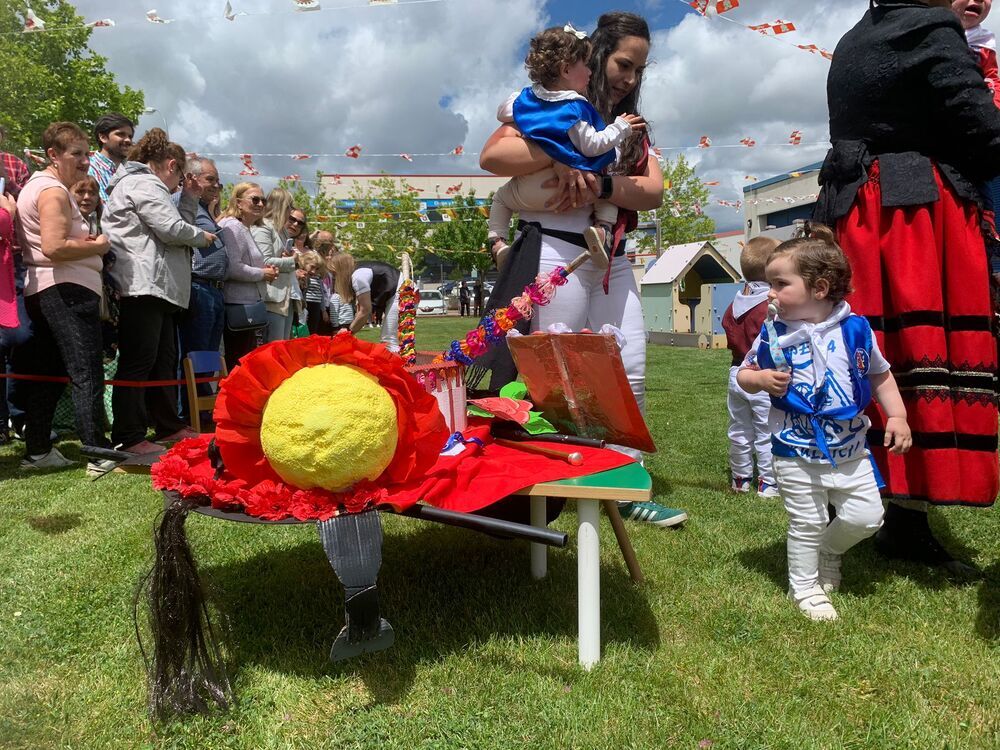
x: 246, y: 317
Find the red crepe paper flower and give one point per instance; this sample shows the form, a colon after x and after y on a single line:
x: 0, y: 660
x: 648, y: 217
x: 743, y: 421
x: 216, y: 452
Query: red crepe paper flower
x: 250, y: 483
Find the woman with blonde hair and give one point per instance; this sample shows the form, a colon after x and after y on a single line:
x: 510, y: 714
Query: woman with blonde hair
x: 151, y: 238
x: 247, y: 277
x: 368, y: 285
x: 276, y: 245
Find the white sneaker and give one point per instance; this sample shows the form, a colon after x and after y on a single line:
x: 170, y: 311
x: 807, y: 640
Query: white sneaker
x: 767, y: 490
x: 741, y: 484
x: 814, y: 604
x: 829, y: 571
x: 51, y: 460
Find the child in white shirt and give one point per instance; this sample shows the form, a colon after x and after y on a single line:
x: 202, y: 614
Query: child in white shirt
x: 821, y: 366
x: 555, y: 114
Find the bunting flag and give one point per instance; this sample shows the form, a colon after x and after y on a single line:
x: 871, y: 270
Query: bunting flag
x: 711, y: 183
x: 675, y: 209
x: 104, y: 23
x: 304, y: 5
x: 707, y: 7
x: 229, y: 13
x: 750, y: 178
x: 353, y: 152
x: 454, y: 189
x: 776, y: 28
x: 32, y: 22
x: 748, y: 142
x: 705, y: 142
x: 406, y: 157
x: 458, y: 150
x: 812, y: 48
x: 730, y: 204
x: 152, y: 17
x: 37, y: 160
x: 697, y: 208
x: 795, y: 138
x: 292, y: 178
x: 300, y: 157
x: 249, y: 170
x: 668, y: 184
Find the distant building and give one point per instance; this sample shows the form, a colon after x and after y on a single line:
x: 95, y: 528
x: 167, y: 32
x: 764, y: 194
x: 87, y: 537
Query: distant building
x: 777, y: 202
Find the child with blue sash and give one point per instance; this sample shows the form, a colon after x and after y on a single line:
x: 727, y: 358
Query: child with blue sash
x: 822, y: 367
x: 555, y: 114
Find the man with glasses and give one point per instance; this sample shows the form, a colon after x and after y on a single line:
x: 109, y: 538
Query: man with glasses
x: 200, y: 328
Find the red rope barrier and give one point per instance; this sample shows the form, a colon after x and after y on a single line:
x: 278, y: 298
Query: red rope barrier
x: 120, y: 383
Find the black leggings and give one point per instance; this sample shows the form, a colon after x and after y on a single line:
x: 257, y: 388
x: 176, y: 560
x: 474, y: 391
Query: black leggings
x: 66, y: 340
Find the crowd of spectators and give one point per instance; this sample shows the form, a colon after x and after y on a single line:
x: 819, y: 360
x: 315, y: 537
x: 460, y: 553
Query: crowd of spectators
x: 127, y: 255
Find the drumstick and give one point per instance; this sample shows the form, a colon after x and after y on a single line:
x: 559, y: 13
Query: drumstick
x: 573, y: 459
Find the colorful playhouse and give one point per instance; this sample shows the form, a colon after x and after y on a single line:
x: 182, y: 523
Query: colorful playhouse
x: 685, y: 293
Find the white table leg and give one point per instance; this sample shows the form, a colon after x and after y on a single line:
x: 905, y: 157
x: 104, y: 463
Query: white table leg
x: 539, y: 552
x: 588, y: 584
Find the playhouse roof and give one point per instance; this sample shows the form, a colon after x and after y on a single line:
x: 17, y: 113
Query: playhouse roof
x: 677, y: 260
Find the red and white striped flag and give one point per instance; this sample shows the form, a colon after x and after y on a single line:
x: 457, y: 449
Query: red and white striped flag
x: 292, y: 178
x: 353, y: 152
x: 778, y: 27
x: 249, y: 170
x: 301, y: 157
x: 795, y: 138
x: 457, y: 151
x: 748, y: 142
x: 704, y: 142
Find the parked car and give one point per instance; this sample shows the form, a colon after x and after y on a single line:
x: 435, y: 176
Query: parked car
x: 431, y: 303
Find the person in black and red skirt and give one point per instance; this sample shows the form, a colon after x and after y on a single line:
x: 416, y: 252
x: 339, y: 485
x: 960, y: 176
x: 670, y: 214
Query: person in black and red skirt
x: 914, y: 132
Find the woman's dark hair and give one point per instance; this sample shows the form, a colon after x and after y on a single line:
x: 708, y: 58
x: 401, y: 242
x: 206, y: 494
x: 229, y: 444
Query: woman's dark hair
x: 611, y: 29
x: 817, y: 256
x: 550, y: 50
x: 156, y: 146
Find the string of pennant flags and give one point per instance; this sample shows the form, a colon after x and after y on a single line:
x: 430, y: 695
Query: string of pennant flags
x: 32, y: 22
x: 775, y: 30
x: 708, y: 8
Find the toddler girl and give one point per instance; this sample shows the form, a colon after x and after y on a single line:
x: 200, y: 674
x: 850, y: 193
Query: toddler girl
x: 556, y: 115
x: 314, y: 290
x: 821, y: 366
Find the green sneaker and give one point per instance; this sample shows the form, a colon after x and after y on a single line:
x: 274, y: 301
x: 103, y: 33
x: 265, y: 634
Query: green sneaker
x: 654, y: 513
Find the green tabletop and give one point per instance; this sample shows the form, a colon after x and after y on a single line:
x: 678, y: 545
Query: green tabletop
x: 630, y: 482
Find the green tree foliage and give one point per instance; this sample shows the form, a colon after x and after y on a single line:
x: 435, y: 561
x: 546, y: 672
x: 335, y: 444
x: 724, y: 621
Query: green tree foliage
x: 52, y: 75
x: 679, y: 219
x: 462, y: 241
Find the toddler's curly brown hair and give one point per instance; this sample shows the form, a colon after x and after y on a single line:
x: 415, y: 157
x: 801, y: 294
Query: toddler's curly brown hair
x: 817, y: 256
x: 550, y: 50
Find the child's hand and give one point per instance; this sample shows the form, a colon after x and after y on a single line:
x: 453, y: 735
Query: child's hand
x: 897, y: 435
x: 774, y: 382
x: 636, y: 121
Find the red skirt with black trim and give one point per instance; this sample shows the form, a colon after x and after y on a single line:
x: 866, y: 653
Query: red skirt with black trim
x: 921, y: 277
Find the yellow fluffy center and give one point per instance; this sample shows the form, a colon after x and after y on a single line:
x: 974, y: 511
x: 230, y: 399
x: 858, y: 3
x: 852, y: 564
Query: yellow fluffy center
x: 329, y: 426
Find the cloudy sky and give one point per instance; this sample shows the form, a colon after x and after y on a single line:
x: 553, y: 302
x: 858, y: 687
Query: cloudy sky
x: 424, y: 77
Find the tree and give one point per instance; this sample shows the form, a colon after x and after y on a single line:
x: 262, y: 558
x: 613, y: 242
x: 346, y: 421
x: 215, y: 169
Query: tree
x: 50, y: 76
x: 462, y: 241
x: 680, y: 218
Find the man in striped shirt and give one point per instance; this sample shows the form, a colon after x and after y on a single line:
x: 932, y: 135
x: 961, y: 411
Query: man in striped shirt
x: 113, y: 133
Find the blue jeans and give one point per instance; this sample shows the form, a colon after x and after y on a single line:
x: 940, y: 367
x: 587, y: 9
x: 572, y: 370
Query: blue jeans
x: 200, y: 330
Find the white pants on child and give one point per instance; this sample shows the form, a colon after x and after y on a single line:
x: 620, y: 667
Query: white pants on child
x: 525, y: 193
x: 806, y: 489
x: 748, y: 431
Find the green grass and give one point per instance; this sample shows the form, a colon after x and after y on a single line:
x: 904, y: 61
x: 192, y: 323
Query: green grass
x: 485, y: 657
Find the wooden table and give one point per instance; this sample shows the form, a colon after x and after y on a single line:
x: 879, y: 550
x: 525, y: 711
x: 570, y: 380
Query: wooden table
x: 627, y: 483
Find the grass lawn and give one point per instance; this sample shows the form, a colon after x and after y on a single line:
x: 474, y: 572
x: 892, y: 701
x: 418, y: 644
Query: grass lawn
x: 707, y: 653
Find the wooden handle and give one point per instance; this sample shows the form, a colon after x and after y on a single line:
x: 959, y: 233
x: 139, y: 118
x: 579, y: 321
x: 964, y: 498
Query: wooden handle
x: 573, y: 459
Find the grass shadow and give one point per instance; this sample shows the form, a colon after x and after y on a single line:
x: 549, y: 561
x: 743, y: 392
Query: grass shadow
x: 442, y: 590
x: 57, y: 523
x: 988, y: 617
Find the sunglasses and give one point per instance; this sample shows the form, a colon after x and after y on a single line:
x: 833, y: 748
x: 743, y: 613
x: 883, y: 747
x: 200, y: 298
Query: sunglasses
x: 256, y: 200
x: 296, y: 222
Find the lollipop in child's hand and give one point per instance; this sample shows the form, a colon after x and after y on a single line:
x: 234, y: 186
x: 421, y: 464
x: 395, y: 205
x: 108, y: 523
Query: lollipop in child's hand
x: 777, y: 355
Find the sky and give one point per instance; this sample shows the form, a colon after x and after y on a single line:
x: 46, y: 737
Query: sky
x: 423, y: 78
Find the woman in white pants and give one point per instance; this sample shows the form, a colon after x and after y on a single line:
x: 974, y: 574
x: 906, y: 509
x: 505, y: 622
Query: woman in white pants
x: 593, y: 297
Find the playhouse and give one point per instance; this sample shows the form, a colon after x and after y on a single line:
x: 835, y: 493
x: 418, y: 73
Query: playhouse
x: 685, y: 293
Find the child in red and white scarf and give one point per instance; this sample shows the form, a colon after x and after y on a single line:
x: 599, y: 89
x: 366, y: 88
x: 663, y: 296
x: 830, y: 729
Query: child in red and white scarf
x: 972, y: 13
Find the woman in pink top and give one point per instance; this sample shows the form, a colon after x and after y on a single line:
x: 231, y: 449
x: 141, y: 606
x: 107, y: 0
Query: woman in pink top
x: 8, y: 296
x: 62, y: 295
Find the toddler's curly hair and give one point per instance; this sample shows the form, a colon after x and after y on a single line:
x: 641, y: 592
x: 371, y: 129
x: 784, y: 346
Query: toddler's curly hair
x: 817, y: 256
x: 550, y: 50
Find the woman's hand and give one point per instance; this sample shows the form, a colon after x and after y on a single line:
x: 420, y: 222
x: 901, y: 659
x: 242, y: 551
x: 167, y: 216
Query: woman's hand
x: 9, y: 204
x: 575, y: 188
x: 270, y: 273
x: 209, y: 238
x: 100, y: 244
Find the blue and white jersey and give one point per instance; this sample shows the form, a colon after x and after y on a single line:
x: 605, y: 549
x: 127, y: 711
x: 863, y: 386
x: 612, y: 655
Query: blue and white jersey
x: 825, y: 383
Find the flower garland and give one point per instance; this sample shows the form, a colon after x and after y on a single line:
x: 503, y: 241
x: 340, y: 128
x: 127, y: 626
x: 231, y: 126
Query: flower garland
x: 494, y: 326
x: 408, y: 299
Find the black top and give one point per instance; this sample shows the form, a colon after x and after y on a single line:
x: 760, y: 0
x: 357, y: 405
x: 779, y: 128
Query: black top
x: 904, y: 88
x: 385, y: 279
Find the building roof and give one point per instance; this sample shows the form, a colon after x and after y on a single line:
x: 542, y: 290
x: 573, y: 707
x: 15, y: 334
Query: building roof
x: 781, y: 177
x: 677, y: 260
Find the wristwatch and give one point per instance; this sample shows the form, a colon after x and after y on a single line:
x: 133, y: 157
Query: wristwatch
x: 607, y: 187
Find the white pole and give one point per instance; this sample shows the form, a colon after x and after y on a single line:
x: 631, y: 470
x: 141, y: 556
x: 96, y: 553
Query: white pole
x: 588, y: 583
x: 539, y: 552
